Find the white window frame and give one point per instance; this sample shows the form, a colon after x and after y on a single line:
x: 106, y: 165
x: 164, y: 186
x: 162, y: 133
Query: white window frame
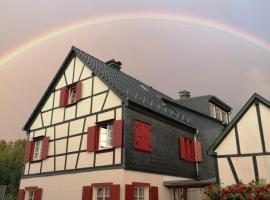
x: 103, y: 195
x: 214, y: 109
x: 105, y: 136
x: 31, y: 195
x: 139, y: 193
x: 72, y: 95
x: 37, y: 149
x: 218, y: 113
x: 223, y: 113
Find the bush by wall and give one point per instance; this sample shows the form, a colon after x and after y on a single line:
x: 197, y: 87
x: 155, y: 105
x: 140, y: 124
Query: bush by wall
x: 255, y: 190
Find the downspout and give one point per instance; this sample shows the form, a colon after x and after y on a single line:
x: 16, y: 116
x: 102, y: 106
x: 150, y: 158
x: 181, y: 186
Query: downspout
x: 196, y: 163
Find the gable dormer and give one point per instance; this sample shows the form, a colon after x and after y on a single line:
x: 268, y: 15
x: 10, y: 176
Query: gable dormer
x: 209, y: 105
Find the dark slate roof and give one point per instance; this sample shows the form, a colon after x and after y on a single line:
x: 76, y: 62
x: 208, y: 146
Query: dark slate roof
x: 126, y: 87
x: 254, y: 98
x: 129, y: 88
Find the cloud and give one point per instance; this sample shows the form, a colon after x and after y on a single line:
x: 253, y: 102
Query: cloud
x: 256, y: 81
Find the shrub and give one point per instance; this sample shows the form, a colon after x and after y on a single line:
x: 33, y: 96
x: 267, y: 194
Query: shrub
x: 255, y: 190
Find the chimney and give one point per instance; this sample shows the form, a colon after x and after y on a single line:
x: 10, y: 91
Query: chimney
x: 184, y: 94
x: 114, y: 64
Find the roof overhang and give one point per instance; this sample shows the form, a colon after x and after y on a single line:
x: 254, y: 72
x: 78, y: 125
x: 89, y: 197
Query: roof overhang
x: 189, y: 183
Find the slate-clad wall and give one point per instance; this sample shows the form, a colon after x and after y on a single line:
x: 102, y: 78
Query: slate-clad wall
x: 164, y: 158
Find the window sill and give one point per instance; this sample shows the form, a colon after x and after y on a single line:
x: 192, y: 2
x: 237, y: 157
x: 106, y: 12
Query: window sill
x: 105, y: 150
x: 36, y: 161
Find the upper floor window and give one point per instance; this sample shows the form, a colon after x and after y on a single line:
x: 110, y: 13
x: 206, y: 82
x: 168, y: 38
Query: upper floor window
x: 218, y: 113
x: 138, y: 193
x: 143, y: 136
x: 190, y: 150
x: 103, y: 193
x: 72, y: 95
x: 212, y: 110
x: 105, y: 136
x: 37, y: 149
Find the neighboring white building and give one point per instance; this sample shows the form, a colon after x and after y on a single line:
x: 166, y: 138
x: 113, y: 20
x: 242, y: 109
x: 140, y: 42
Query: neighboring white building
x: 242, y: 150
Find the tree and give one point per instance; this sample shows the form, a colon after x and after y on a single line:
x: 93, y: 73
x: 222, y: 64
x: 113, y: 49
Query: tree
x: 11, y: 165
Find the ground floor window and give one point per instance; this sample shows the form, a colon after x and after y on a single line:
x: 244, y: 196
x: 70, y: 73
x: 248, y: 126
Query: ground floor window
x: 138, y: 193
x: 103, y: 193
x: 31, y: 195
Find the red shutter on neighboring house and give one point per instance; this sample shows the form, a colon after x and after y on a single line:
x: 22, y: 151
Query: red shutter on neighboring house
x: 153, y: 193
x: 78, y: 91
x: 87, y: 193
x: 21, y: 194
x: 28, y: 154
x: 117, y: 133
x: 45, y: 147
x: 64, y: 97
x: 129, y: 193
x: 115, y: 192
x: 92, y: 138
x: 143, y: 136
x: 198, y: 151
x: 38, y: 194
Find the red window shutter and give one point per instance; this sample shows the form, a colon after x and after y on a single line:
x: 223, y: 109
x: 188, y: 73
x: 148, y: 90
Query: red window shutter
x: 147, y: 137
x: 129, y: 193
x: 28, y: 154
x: 117, y: 133
x: 92, y: 138
x: 78, y: 91
x: 45, y: 147
x: 21, y: 194
x: 143, y: 136
x: 198, y: 151
x: 64, y: 97
x: 192, y: 153
x: 115, y: 192
x: 87, y: 193
x: 153, y: 193
x: 38, y: 194
x: 182, y: 148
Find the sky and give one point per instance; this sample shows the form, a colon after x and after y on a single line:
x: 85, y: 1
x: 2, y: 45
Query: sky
x: 170, y: 55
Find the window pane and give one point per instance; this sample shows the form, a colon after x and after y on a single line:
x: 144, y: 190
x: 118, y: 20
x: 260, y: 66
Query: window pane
x: 224, y: 117
x: 107, y: 192
x: 37, y: 149
x: 218, y: 113
x: 105, y: 137
x: 100, y: 192
x: 212, y: 110
x: 141, y: 192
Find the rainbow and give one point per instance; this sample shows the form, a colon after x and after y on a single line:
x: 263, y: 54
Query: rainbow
x: 97, y: 20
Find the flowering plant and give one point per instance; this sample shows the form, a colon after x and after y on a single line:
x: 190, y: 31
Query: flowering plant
x: 255, y: 190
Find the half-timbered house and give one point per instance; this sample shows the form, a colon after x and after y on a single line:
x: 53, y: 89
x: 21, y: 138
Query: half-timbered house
x: 98, y: 133
x: 242, y: 150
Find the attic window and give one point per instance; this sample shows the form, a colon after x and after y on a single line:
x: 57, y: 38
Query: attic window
x: 72, y: 95
x: 144, y: 87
